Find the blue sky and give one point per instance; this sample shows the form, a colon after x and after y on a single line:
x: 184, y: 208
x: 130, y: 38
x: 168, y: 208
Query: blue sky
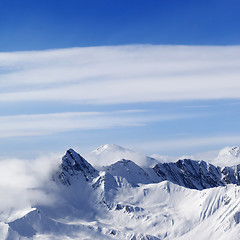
x: 157, y: 76
x: 35, y: 24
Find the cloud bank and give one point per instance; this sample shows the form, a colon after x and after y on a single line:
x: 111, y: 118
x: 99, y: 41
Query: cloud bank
x: 25, y: 183
x: 121, y: 74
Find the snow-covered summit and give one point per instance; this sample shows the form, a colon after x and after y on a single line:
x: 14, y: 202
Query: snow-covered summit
x: 111, y: 153
x: 129, y: 170
x: 230, y: 151
x: 228, y: 156
x: 109, y: 148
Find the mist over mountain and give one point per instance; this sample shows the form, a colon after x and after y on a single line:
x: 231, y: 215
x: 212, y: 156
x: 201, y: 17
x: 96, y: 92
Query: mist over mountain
x: 111, y: 153
x: 118, y: 197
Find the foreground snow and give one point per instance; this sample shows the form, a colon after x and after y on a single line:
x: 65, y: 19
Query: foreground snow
x: 127, y: 201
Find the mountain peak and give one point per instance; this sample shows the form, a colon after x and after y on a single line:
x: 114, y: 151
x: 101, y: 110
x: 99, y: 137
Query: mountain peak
x: 230, y: 152
x: 75, y: 166
x: 109, y: 147
x: 235, y: 151
x: 228, y: 156
x: 111, y: 153
x: 129, y: 170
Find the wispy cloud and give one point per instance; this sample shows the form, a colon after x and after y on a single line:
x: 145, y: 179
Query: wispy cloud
x: 189, y: 143
x: 45, y: 124
x: 124, y: 74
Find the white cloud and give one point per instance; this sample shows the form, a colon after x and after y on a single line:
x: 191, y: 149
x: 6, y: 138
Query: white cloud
x: 22, y: 182
x: 125, y: 74
x: 45, y: 124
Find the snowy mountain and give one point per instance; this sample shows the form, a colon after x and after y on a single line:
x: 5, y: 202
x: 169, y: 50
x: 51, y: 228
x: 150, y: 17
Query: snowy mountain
x: 228, y: 156
x: 111, y: 153
x: 75, y: 166
x: 130, y: 171
x: 197, y: 174
x: 181, y: 200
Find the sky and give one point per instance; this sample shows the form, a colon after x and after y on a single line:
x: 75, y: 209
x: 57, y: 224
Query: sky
x: 44, y: 24
x: 159, y: 77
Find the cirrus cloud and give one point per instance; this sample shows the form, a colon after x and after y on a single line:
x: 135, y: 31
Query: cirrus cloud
x: 53, y: 123
x: 121, y: 74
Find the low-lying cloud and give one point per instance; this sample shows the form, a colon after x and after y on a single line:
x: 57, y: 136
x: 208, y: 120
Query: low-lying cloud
x: 25, y: 183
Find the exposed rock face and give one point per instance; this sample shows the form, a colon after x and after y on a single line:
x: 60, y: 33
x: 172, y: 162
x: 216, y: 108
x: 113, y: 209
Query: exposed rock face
x: 231, y: 174
x: 197, y: 174
x: 237, y: 217
x: 75, y: 166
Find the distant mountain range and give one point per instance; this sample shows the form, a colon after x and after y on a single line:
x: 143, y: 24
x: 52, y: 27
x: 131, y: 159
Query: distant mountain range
x: 134, y: 197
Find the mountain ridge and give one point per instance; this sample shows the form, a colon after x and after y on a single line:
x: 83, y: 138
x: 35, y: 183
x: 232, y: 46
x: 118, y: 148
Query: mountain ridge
x: 176, y: 200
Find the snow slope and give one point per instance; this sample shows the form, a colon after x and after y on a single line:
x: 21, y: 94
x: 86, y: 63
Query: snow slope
x: 182, y: 200
x: 111, y: 153
x: 228, y: 156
